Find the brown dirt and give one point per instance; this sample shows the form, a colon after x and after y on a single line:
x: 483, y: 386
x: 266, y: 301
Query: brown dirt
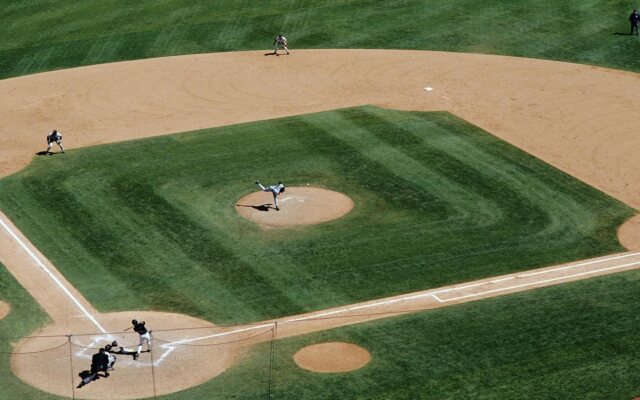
x: 332, y: 357
x: 575, y: 117
x: 5, y: 308
x: 298, y: 206
x: 629, y: 233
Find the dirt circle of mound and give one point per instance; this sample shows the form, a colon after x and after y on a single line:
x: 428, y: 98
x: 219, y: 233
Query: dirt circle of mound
x: 332, y: 357
x: 629, y: 233
x: 181, y: 358
x: 298, y: 206
x: 4, y: 309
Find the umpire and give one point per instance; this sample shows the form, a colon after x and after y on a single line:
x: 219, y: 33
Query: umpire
x: 633, y: 19
x: 99, y: 363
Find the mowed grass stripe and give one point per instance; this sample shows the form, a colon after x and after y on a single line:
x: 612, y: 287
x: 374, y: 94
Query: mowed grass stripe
x: 151, y: 224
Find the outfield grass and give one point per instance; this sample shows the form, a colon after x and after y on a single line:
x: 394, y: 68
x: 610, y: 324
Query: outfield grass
x: 576, y: 341
x: 39, y: 36
x: 151, y: 224
x: 25, y: 317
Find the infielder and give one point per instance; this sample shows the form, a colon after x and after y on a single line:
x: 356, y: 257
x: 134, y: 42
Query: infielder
x: 54, y: 137
x: 145, y: 336
x: 276, y: 190
x: 280, y: 43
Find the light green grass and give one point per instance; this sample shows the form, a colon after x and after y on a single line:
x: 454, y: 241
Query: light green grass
x: 151, y: 224
x: 41, y: 35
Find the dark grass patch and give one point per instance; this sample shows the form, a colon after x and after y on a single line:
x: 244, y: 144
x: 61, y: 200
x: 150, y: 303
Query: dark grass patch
x: 151, y: 223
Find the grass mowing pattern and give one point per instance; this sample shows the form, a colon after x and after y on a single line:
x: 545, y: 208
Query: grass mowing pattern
x: 573, y: 341
x: 39, y: 36
x: 25, y: 317
x: 150, y: 224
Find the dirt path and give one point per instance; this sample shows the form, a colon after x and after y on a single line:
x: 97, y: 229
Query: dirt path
x: 575, y: 117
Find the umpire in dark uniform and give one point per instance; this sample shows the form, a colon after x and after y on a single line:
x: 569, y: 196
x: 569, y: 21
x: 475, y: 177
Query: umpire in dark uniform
x: 99, y: 363
x: 634, y: 18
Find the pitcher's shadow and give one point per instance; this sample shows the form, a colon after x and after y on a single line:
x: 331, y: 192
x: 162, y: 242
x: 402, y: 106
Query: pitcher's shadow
x: 262, y: 207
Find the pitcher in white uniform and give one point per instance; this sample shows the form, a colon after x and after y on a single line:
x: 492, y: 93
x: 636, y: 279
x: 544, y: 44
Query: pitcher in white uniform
x: 276, y: 190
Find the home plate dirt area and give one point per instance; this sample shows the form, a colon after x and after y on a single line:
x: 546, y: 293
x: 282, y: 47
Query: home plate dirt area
x: 574, y: 117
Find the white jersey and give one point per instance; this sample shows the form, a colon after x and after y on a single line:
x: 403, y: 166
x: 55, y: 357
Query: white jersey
x: 281, y: 40
x: 275, y: 189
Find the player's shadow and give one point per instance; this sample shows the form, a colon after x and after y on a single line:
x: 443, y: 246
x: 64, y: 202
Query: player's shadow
x: 271, y: 54
x: 261, y: 207
x: 86, y: 374
x: 44, y: 153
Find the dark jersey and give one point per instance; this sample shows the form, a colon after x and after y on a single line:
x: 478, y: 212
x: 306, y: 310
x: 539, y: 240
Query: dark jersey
x: 140, y: 328
x: 99, y: 361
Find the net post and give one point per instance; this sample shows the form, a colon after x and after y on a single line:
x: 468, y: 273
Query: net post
x: 73, y: 388
x: 153, y: 369
x: 272, y: 362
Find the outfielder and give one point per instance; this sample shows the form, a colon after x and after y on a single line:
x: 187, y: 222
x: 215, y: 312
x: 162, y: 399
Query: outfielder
x: 54, y: 137
x: 276, y: 190
x: 145, y: 336
x: 280, y: 43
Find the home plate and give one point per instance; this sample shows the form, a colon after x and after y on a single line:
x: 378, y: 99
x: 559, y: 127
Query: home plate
x: 428, y: 88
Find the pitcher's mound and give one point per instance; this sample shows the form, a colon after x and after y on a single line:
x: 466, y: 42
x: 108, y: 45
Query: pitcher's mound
x: 332, y: 357
x: 4, y: 309
x: 298, y: 206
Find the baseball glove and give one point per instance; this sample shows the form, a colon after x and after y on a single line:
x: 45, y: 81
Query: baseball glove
x: 114, y: 344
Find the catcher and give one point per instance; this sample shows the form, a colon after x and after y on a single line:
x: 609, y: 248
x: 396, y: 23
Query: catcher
x: 109, y: 350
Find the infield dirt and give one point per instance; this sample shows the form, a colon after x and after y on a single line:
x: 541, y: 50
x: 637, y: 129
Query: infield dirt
x: 577, y: 118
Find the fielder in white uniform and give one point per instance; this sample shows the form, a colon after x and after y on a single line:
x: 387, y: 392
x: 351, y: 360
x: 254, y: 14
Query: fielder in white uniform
x: 280, y: 43
x: 54, y: 137
x: 276, y: 190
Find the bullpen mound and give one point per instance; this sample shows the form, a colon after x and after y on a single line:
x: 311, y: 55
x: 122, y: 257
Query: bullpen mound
x: 4, y: 309
x: 629, y: 233
x: 332, y: 357
x: 298, y: 206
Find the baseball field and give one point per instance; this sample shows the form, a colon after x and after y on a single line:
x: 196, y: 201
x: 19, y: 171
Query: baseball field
x: 468, y: 157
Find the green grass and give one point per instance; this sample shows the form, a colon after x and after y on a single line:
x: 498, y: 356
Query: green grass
x: 151, y: 224
x: 25, y: 317
x: 575, y: 341
x: 44, y: 35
